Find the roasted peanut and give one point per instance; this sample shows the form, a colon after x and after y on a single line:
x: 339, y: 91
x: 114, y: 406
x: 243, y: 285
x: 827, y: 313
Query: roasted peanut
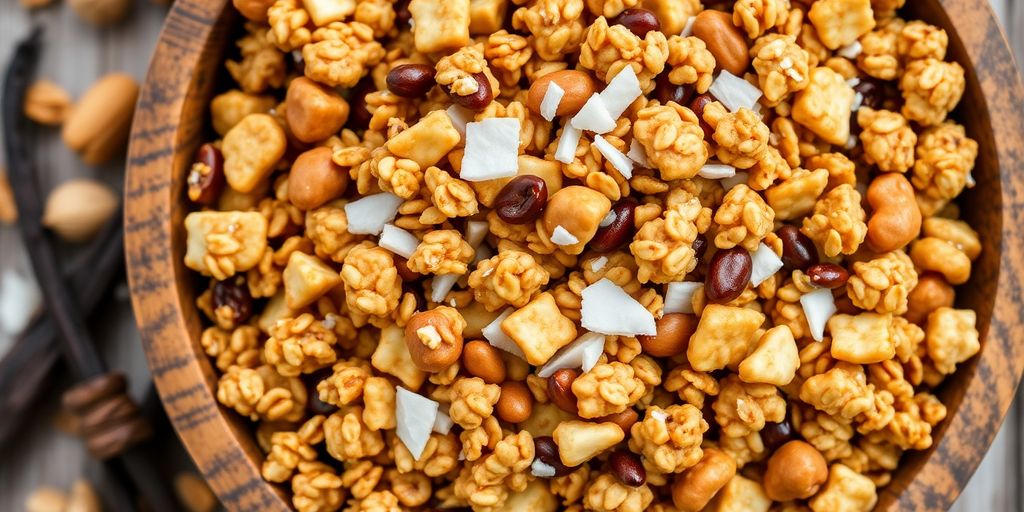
x: 254, y: 10
x: 626, y: 466
x: 724, y: 40
x: 515, y: 403
x: 77, y: 209
x: 694, y: 488
x: 579, y: 210
x: 434, y: 338
x: 795, y: 471
x: 315, y: 179
x: 674, y: 331
x: 956, y: 232
x: 578, y: 87
x: 624, y: 419
x: 896, y: 219
x: 560, y: 389
x: 101, y: 12
x: 481, y: 359
x: 937, y: 255
x: 98, y: 125
x: 313, y: 112
x: 932, y: 292
x: 47, y: 103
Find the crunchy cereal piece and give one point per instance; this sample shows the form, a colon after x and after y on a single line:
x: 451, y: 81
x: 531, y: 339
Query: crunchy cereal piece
x: 341, y: 53
x: 316, y: 488
x: 372, y: 284
x: 441, y: 252
x: 348, y: 438
x: 262, y: 65
x: 306, y: 279
x: 945, y: 158
x: 557, y: 26
x: 510, y: 278
x: 781, y: 65
x: 886, y: 9
x: 379, y: 400
x: 724, y: 336
x: 828, y: 434
x: 610, y: 8
x: 439, y: 457
x: 841, y: 170
x: 775, y: 359
x: 842, y: 391
x: 472, y: 401
x: 742, y: 408
x: 741, y: 136
x: 862, y: 339
x: 608, y: 49
x: 837, y: 224
x: 951, y: 337
x: 300, y: 345
x: 377, y: 14
x: 663, y: 246
x: 669, y: 439
x: 824, y: 105
x: 237, y: 347
x: 608, y: 388
x: 412, y: 489
x: 345, y: 384
x: 845, y: 490
x: 691, y: 61
x: 743, y: 450
x: 262, y: 393
x: 227, y: 109
x: 755, y: 17
x: 377, y: 501
x: 693, y: 387
x: 289, y: 28
x: 672, y: 139
x: 607, y: 494
x: 427, y: 141
x: 931, y: 89
x: 451, y: 196
x: 740, y: 494
x: 439, y: 26
x: 840, y: 22
x: 251, y: 150
x: 539, y: 329
x: 400, y: 176
x: 743, y: 219
x: 486, y: 482
x: 221, y: 244
x: 919, y: 40
x: 795, y: 196
x: 327, y: 227
x: 879, y: 56
x: 477, y: 441
x: 883, y: 284
x: 289, y: 448
x: 887, y: 138
x: 456, y: 71
x: 907, y: 429
x: 770, y: 168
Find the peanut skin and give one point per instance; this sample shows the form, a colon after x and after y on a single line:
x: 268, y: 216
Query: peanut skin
x: 896, y: 218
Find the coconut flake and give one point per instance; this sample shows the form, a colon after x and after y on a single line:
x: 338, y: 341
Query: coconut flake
x: 621, y: 92
x: 541, y: 470
x: 415, y: 415
x: 582, y: 351
x: 483, y: 252
x: 20, y: 299
x: 851, y: 142
x: 476, y: 231
x: 398, y: 241
x: 736, y: 179
x: 765, y: 264
x: 368, y: 215
x: 850, y: 51
x: 552, y: 97
x: 853, y: 82
x: 608, y: 309
x: 497, y: 337
x: 567, y: 143
x: 598, y: 264
x: 970, y: 180
x: 818, y: 308
x: 637, y: 153
x: 679, y: 296
x: 562, y: 236
x: 734, y: 92
x: 593, y: 116
x: 443, y: 423
x: 460, y: 116
x: 688, y: 27
x: 659, y: 415
x: 441, y: 285
x: 492, y: 149
x: 621, y: 162
x: 858, y: 100
x: 716, y: 171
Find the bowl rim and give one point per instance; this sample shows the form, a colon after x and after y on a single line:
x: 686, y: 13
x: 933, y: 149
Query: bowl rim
x: 161, y: 140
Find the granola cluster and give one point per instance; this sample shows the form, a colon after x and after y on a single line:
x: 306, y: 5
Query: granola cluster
x: 585, y: 255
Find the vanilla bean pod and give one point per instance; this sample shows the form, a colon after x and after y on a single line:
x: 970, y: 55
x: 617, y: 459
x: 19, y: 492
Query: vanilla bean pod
x: 111, y: 423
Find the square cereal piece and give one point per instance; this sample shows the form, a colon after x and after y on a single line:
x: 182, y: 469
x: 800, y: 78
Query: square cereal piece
x: 392, y: 357
x: 427, y: 141
x: 486, y: 16
x: 845, y: 490
x: 724, y: 336
x: 824, y: 106
x: 539, y: 329
x: 841, y: 22
x: 221, y: 244
x: 862, y: 339
x: 951, y: 337
x: 439, y: 25
x: 740, y: 495
x: 306, y: 278
x: 323, y: 12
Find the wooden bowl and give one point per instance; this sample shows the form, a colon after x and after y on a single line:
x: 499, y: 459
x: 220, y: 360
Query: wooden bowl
x: 171, y: 121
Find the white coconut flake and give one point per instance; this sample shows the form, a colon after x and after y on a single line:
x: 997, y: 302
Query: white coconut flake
x: 483, y: 252
x: 443, y: 423
x: 497, y: 337
x: 621, y: 92
x: 970, y: 180
x: 567, y: 143
x: 441, y: 285
x: 734, y: 92
x: 552, y: 97
x: 599, y: 264
x: 659, y: 415
x: 398, y: 240
x: 20, y: 299
x: 608, y: 219
x: 765, y: 264
x: 818, y: 308
x: 716, y: 171
x: 593, y: 116
x: 688, y: 28
x: 368, y: 215
x: 850, y: 51
x: 492, y: 149
x: 561, y: 236
x: 851, y: 142
x: 541, y: 470
x: 476, y: 231
x: 858, y: 100
x: 608, y: 309
x: 415, y: 415
x: 460, y: 116
x: 853, y: 82
x: 621, y: 162
x: 732, y: 181
x: 582, y: 351
x: 679, y: 296
x: 637, y: 153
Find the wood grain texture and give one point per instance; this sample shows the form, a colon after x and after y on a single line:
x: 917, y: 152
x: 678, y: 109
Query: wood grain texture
x: 170, y: 121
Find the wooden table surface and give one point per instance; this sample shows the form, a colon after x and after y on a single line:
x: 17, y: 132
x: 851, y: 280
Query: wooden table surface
x: 75, y: 55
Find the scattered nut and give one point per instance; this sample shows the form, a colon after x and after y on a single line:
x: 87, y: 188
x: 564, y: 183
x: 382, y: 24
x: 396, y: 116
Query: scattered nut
x: 206, y: 177
x: 47, y: 103
x: 521, y: 200
x: 798, y: 251
x: 546, y: 451
x: 101, y: 12
x: 97, y: 127
x: 896, y: 219
x: 579, y: 210
x: 827, y: 275
x: 728, y: 274
x: 313, y: 112
x: 411, y: 80
x: 695, y: 487
x: 481, y: 359
x: 578, y: 87
x: 626, y: 466
x: 434, y: 338
x: 795, y: 471
x: 515, y: 404
x: 315, y: 179
x: 932, y: 292
x: 724, y: 40
x: 560, y: 389
x: 77, y: 209
x: 674, y: 331
x: 193, y: 493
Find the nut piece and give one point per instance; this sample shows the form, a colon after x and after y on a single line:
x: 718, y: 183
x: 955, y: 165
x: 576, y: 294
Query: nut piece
x: 578, y: 87
x: 251, y: 150
x: 312, y: 111
x: 539, y: 329
x: 481, y: 359
x: 434, y: 338
x: 98, y: 126
x: 315, y: 179
x: 101, y: 12
x: 515, y: 404
x: 795, y: 471
x: 47, y: 103
x: 674, y: 331
x: 932, y: 292
x: 896, y: 219
x: 694, y: 488
x: 724, y: 40
x: 560, y: 389
x: 580, y: 441
x: 77, y: 209
x: 579, y: 210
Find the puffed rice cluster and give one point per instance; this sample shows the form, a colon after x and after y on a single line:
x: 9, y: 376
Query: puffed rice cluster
x: 850, y: 151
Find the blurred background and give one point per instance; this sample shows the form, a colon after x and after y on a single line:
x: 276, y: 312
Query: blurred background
x: 85, y: 40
